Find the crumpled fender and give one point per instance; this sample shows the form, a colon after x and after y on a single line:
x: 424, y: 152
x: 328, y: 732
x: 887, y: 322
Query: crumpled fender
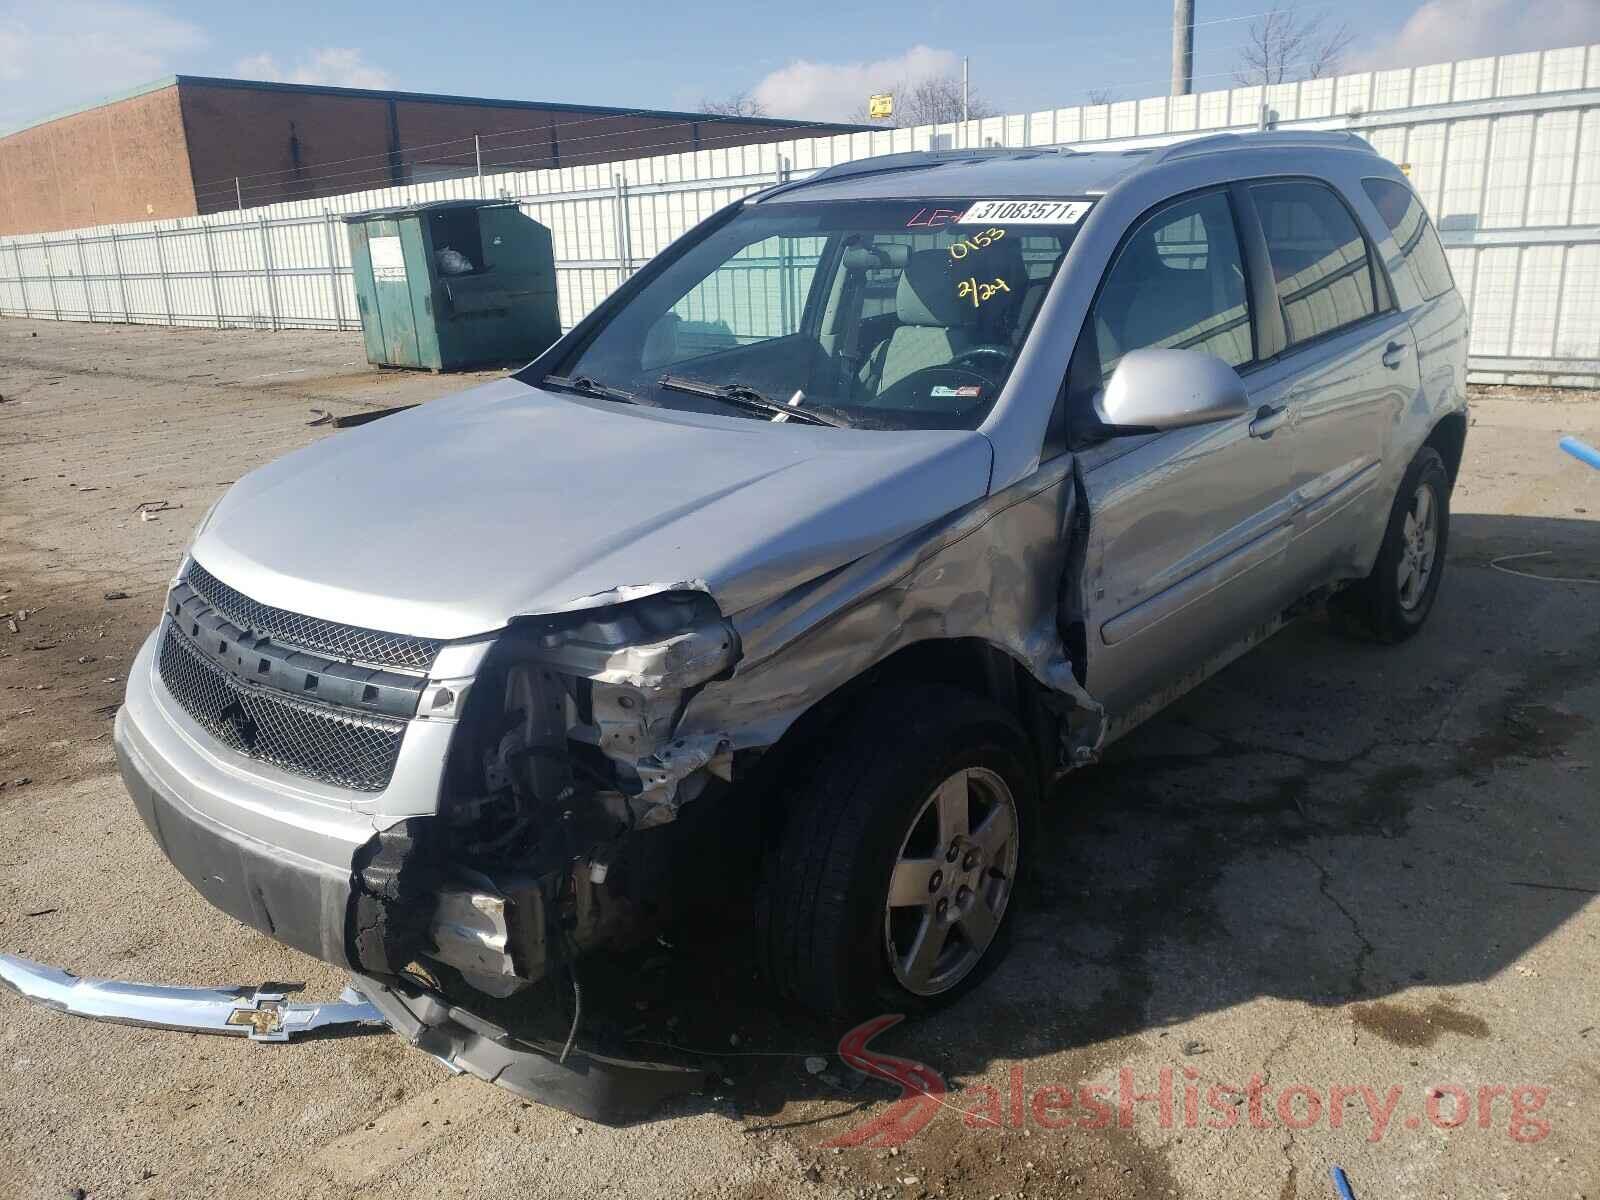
x: 993, y: 570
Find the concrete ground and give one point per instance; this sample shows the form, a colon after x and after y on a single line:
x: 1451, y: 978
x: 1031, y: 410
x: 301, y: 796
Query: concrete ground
x: 1336, y: 866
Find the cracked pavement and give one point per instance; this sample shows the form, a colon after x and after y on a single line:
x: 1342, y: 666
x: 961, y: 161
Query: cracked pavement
x: 1335, y: 866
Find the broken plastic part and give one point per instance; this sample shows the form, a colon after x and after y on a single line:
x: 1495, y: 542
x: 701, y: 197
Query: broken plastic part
x: 591, y: 1085
x: 261, y: 1014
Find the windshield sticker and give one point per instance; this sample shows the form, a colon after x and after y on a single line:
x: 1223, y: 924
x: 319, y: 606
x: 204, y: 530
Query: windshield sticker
x: 975, y: 242
x: 1026, y: 212
x: 971, y: 289
x: 969, y: 392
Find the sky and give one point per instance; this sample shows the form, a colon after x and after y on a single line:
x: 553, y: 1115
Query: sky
x: 816, y: 60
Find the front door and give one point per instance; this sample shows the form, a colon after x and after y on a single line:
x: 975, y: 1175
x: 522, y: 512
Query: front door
x: 1188, y: 528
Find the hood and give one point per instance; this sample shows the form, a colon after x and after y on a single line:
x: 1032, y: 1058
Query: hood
x: 452, y: 518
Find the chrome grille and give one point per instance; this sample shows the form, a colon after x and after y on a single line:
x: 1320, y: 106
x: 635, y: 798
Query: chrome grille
x: 342, y: 748
x: 352, y: 642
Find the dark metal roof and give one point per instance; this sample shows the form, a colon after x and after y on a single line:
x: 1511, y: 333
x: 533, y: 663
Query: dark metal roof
x: 429, y: 98
x: 490, y: 102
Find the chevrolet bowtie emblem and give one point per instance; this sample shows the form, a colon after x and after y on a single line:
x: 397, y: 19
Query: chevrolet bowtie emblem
x: 263, y: 1016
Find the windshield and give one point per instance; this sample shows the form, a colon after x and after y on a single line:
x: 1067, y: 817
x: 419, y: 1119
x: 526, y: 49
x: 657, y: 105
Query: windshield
x: 883, y: 313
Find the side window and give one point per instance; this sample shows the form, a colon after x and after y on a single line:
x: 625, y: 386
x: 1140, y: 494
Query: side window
x: 1319, y: 258
x: 758, y: 294
x: 1402, y: 212
x: 1177, y: 283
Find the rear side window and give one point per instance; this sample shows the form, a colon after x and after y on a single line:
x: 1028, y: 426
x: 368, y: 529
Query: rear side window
x: 1319, y: 258
x: 1402, y: 212
x: 1177, y: 283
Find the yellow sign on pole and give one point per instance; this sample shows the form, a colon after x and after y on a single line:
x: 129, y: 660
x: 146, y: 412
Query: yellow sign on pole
x: 880, y: 106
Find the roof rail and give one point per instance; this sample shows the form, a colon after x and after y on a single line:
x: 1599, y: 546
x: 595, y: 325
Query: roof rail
x: 1332, y: 139
x: 911, y: 160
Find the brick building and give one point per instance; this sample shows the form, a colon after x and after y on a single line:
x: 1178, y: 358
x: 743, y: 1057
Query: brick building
x: 189, y: 144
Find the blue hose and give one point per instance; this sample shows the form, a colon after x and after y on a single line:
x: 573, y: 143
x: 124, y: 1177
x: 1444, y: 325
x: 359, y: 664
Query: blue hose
x: 1341, y: 1184
x: 1581, y: 451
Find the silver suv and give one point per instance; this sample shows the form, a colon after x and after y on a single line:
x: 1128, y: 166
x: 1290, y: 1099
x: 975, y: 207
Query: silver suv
x: 465, y: 697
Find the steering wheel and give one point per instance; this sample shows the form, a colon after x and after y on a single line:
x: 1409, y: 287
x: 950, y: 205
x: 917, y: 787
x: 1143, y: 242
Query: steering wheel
x: 978, y: 353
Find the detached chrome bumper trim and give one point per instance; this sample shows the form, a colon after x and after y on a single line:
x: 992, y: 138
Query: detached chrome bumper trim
x: 259, y: 1014
x: 611, y: 1090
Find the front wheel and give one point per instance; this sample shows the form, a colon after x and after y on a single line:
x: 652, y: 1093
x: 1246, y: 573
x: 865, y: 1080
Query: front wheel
x: 1394, y: 601
x: 899, y: 860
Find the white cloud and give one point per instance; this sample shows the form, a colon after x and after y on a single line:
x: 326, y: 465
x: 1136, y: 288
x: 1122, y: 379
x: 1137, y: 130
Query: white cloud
x: 1442, y: 30
x: 833, y: 91
x: 69, y: 52
x: 331, y: 66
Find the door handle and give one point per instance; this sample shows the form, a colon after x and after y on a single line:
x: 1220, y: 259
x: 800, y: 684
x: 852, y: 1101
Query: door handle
x: 1267, y: 420
x: 1393, y: 355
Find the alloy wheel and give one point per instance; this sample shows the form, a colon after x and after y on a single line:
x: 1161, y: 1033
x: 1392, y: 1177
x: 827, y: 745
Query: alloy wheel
x: 952, y: 881
x: 1419, y: 541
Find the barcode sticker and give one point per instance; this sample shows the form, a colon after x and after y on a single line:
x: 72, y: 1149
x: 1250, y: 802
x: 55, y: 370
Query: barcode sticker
x: 1025, y: 212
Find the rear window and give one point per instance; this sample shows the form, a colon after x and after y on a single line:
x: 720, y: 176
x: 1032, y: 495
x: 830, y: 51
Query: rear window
x: 1403, y: 213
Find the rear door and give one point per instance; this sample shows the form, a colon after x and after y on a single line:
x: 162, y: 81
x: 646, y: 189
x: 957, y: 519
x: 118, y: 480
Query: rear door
x: 1187, y: 528
x: 1439, y: 319
x: 1349, y: 365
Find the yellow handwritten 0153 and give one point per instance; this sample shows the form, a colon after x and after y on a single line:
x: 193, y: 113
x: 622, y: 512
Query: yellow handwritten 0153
x: 971, y: 289
x: 978, y: 241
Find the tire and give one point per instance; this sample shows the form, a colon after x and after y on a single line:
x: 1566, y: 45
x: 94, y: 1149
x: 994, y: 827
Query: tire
x: 1393, y: 602
x: 823, y: 919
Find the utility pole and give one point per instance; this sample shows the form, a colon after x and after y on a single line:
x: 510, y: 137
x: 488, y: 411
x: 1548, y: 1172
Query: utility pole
x: 1182, y: 47
x: 963, y: 101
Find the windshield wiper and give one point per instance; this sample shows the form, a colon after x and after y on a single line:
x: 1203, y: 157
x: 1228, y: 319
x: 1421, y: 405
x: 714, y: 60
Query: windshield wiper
x: 742, y: 395
x: 584, y: 386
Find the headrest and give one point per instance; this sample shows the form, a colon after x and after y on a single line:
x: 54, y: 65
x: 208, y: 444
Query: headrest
x: 929, y: 292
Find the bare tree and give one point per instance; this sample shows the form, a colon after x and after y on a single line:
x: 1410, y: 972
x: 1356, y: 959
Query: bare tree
x: 740, y: 104
x: 933, y: 101
x: 1286, y: 44
x: 1099, y: 95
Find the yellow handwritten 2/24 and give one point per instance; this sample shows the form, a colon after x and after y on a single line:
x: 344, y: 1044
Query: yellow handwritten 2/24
x: 978, y: 241
x: 971, y: 289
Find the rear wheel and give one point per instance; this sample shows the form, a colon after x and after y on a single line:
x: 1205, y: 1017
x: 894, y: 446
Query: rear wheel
x: 1394, y: 601
x: 898, y: 864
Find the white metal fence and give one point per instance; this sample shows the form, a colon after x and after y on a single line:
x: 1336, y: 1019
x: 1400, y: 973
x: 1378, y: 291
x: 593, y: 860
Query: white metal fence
x: 1505, y: 152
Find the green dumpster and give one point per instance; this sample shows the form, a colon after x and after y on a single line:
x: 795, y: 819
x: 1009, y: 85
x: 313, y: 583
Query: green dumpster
x: 453, y: 284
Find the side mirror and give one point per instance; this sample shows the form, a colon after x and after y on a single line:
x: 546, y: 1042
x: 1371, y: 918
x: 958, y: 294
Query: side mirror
x: 1170, y: 389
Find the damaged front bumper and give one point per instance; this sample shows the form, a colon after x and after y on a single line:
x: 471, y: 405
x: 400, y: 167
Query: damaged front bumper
x: 284, y: 857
